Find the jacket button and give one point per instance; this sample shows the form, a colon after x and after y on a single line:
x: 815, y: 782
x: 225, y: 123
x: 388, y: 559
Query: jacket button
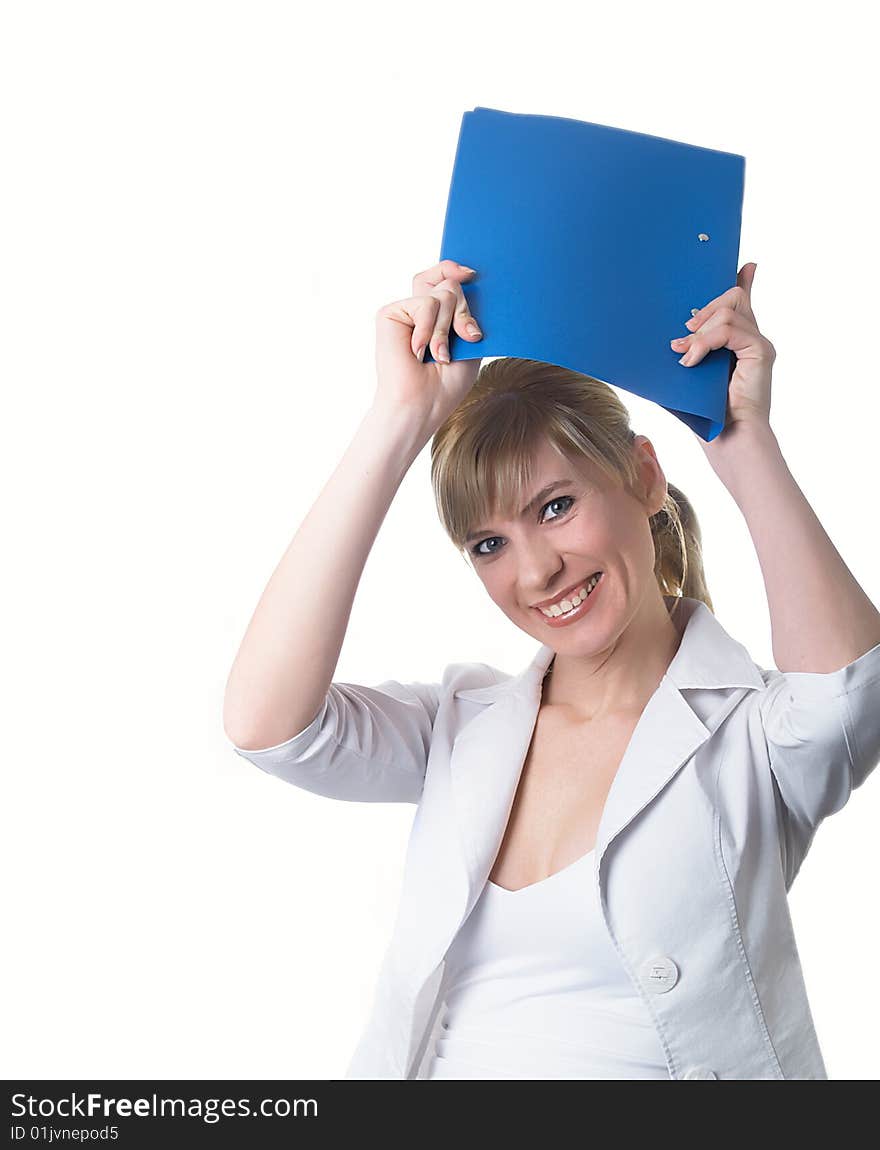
x: 659, y: 974
x: 699, y: 1072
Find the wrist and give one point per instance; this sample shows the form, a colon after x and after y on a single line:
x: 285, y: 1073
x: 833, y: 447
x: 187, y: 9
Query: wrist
x: 742, y: 450
x: 404, y: 430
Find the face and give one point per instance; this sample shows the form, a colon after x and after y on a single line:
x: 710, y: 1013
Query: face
x: 585, y: 525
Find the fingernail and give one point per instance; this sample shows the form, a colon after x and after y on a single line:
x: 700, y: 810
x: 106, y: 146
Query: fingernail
x: 420, y: 354
x: 465, y: 268
x: 473, y: 329
x: 677, y: 342
x: 686, y: 358
x: 443, y: 353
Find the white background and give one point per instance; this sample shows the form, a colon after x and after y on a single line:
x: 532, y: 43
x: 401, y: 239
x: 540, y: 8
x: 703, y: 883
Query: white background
x: 203, y: 206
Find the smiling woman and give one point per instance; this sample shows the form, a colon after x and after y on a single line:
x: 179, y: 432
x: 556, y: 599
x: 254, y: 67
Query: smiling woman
x: 578, y: 850
x: 484, y: 460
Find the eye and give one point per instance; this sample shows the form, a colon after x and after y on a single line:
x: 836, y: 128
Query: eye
x: 568, y: 500
x: 475, y: 550
x: 559, y: 499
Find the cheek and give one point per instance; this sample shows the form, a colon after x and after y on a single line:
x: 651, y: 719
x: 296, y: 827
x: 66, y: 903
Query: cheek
x: 617, y: 533
x: 492, y: 586
x: 597, y: 534
x: 499, y: 591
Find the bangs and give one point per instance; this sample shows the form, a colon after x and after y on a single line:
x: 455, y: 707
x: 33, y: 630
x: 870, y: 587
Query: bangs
x: 488, y: 472
x: 483, y: 458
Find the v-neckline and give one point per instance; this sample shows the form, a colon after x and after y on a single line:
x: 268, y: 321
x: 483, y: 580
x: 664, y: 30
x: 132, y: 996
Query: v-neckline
x: 541, y: 881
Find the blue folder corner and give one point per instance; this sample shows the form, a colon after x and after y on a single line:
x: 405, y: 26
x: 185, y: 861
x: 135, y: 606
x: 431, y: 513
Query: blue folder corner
x: 592, y: 245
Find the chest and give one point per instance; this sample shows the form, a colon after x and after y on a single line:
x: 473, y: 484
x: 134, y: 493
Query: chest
x: 558, y: 804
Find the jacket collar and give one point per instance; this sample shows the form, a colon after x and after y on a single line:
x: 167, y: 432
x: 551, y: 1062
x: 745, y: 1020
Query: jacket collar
x: 708, y: 658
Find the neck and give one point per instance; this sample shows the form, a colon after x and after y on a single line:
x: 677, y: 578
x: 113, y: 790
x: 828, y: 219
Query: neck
x: 621, y: 678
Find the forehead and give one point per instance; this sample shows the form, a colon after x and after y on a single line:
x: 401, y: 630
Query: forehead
x: 547, y: 458
x: 547, y: 462
x: 546, y: 474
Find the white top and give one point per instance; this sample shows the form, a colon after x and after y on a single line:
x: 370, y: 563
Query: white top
x: 536, y: 989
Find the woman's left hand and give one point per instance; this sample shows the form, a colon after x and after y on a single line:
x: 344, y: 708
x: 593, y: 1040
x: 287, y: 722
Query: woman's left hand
x: 728, y: 321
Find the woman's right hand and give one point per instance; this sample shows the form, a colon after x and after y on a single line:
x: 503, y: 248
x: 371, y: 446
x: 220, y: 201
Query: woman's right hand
x: 430, y: 391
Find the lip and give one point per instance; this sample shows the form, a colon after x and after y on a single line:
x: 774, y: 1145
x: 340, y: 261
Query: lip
x: 568, y: 590
x: 578, y: 613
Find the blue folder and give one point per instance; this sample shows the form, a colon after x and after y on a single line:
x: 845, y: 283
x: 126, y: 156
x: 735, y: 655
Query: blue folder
x: 592, y: 245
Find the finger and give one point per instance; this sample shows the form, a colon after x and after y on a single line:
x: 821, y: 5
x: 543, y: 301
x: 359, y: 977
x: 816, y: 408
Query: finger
x: 456, y: 315
x: 464, y: 322
x: 726, y: 314
x: 726, y: 328
x: 696, y: 349
x: 736, y: 297
x: 744, y: 278
x: 423, y: 311
x: 449, y: 303
x: 426, y: 281
x: 430, y: 318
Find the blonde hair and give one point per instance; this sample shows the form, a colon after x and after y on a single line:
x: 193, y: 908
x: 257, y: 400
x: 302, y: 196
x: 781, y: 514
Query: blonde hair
x: 481, y: 458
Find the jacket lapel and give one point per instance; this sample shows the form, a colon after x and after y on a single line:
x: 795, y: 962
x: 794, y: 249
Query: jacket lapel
x: 486, y: 763
x: 489, y: 753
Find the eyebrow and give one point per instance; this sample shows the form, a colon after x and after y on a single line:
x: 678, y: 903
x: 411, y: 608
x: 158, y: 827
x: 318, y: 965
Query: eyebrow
x: 545, y: 491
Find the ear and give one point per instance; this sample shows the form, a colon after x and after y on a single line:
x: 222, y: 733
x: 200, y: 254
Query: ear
x: 653, y: 479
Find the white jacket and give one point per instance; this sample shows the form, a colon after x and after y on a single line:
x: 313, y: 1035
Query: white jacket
x: 726, y: 778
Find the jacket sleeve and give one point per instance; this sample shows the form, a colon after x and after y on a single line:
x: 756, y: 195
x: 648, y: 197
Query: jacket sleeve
x: 823, y: 738
x: 366, y: 744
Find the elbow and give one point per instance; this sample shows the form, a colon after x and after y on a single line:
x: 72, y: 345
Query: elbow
x: 236, y: 738
x: 237, y: 730
x: 244, y: 739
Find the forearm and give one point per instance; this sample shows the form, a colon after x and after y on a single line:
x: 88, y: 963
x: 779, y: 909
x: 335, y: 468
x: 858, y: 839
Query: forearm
x: 287, y: 659
x: 821, y: 618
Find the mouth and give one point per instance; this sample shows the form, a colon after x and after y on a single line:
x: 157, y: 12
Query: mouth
x: 571, y: 604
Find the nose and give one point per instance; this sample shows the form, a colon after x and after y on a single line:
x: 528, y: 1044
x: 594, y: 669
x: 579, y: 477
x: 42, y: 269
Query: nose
x: 540, y: 567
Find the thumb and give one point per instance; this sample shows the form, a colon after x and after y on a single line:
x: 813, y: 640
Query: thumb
x: 745, y: 277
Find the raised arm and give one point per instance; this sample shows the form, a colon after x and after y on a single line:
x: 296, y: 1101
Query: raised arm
x: 820, y: 711
x: 821, y: 619
x: 288, y: 656
x: 284, y: 667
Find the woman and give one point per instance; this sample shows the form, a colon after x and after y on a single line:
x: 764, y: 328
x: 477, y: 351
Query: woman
x: 596, y: 879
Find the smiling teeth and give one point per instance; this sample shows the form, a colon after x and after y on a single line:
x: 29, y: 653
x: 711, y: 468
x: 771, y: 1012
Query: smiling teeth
x: 569, y: 604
